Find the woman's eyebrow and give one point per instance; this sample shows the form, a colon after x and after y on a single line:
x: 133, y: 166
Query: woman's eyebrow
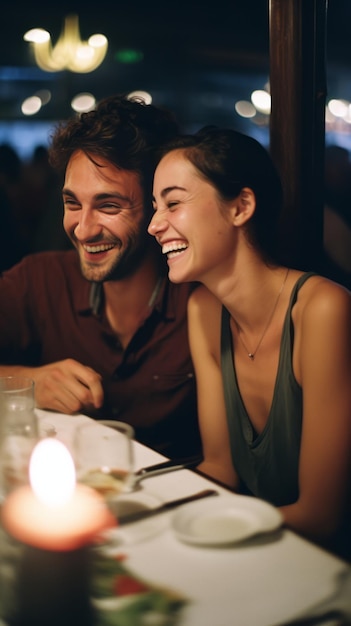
x: 167, y: 190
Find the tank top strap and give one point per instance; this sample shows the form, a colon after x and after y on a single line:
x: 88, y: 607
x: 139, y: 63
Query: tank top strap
x: 300, y: 281
x: 226, y: 337
x: 228, y: 372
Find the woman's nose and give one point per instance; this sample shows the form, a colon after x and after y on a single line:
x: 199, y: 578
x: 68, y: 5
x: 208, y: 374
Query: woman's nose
x: 157, y: 224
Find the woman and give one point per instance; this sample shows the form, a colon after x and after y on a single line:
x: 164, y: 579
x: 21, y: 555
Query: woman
x: 271, y: 345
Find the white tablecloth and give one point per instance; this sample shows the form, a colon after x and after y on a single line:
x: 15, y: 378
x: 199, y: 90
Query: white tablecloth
x: 262, y: 582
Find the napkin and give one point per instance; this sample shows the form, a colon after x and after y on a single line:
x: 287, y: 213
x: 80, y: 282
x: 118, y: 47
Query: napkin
x: 122, y: 598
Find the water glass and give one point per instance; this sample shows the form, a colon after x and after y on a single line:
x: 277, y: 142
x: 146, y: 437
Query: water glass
x: 18, y: 430
x: 103, y: 453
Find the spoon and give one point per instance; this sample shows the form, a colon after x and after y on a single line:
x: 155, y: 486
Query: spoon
x: 171, y: 465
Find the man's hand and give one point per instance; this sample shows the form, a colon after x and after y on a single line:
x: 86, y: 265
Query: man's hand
x: 67, y: 386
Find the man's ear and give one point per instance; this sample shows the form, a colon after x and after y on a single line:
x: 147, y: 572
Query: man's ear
x: 244, y: 206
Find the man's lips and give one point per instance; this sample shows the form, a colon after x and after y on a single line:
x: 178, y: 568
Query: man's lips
x: 94, y: 249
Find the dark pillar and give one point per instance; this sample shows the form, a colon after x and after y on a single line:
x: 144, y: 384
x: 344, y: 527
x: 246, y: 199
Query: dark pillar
x: 297, y: 123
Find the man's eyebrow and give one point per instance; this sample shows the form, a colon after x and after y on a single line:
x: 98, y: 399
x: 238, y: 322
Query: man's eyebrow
x: 68, y: 192
x: 100, y: 196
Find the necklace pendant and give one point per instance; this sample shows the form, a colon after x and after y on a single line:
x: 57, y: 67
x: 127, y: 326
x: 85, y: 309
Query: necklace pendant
x: 251, y: 355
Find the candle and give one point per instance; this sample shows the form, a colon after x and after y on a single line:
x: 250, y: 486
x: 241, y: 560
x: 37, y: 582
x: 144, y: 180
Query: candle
x: 56, y: 520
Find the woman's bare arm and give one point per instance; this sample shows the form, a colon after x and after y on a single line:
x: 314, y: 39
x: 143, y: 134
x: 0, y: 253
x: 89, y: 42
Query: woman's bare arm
x: 322, y: 362
x: 204, y: 314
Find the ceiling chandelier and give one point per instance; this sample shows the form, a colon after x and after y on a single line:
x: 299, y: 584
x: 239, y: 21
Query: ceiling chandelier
x: 70, y: 52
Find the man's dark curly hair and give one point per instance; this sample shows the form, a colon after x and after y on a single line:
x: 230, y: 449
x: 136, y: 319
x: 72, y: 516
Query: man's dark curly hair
x: 124, y: 131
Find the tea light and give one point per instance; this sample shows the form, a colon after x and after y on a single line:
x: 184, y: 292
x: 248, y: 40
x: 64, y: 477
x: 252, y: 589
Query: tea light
x: 56, y: 520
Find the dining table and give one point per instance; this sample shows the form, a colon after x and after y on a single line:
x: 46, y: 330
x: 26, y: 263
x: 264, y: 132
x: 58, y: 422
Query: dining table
x: 267, y: 579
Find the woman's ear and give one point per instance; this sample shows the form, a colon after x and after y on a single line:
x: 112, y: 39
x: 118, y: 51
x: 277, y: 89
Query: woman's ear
x: 244, y: 206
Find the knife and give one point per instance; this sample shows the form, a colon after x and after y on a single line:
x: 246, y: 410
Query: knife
x: 167, y: 506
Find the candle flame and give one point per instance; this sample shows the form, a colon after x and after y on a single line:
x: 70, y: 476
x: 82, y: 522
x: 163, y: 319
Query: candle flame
x: 52, y: 473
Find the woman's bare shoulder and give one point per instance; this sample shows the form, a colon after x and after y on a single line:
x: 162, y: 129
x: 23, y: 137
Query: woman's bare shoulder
x: 322, y: 310
x: 325, y: 296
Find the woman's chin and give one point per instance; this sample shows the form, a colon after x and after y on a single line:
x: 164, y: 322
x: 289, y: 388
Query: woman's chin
x: 179, y: 271
x: 179, y: 277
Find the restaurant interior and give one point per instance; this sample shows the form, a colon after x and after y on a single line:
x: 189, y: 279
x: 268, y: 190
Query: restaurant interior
x: 210, y: 63
x: 205, y: 61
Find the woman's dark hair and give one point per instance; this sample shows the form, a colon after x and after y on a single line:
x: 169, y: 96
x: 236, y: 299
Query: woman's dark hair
x: 124, y: 131
x: 230, y: 161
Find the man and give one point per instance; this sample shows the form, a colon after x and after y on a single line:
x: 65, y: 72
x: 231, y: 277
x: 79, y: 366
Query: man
x: 99, y: 328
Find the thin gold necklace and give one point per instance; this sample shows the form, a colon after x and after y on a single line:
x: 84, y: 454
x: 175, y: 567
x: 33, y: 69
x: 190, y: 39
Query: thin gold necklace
x: 252, y: 354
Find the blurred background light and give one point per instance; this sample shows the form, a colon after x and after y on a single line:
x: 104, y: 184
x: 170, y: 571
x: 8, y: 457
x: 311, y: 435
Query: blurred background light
x: 143, y: 95
x: 245, y: 109
x: 31, y: 105
x: 339, y: 108
x: 36, y: 36
x: 44, y: 95
x: 261, y: 100
x: 83, y: 102
x: 129, y: 56
x: 70, y: 52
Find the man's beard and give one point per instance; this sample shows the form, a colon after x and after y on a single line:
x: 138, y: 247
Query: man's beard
x: 124, y: 265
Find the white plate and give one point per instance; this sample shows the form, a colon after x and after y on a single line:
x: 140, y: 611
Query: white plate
x: 225, y: 520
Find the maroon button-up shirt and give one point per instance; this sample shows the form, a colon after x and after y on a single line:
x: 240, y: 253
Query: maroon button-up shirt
x: 49, y: 312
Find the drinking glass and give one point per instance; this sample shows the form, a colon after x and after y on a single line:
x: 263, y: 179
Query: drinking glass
x: 103, y: 453
x: 18, y: 430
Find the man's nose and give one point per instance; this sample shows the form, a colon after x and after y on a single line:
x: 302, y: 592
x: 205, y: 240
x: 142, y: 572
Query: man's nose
x: 88, y: 225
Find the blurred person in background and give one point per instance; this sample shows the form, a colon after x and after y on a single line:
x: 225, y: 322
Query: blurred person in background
x: 337, y: 215
x: 13, y: 245
x: 44, y: 190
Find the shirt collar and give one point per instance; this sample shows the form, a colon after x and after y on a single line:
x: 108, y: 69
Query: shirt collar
x: 163, y: 299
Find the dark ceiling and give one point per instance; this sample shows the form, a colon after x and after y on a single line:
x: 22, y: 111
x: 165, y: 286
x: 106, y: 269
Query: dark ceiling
x: 198, y: 57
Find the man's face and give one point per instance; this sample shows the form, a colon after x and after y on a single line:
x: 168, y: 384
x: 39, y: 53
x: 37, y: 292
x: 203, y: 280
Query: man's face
x: 104, y: 217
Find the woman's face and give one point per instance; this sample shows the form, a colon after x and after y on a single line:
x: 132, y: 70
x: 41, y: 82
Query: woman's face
x: 191, y: 223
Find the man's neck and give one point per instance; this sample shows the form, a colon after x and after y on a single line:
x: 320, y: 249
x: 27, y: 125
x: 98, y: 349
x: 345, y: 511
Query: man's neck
x: 128, y: 302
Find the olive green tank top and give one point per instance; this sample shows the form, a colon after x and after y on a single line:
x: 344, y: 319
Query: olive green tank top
x: 267, y: 464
